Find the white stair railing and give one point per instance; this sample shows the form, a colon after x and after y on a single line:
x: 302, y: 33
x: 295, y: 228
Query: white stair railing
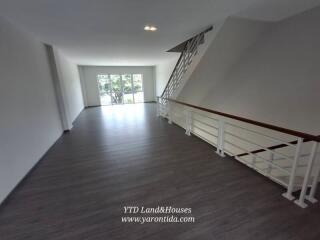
x: 287, y: 157
x: 176, y: 79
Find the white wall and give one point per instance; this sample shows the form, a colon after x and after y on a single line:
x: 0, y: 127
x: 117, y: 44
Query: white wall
x: 29, y: 122
x: 234, y: 38
x: 69, y: 77
x: 89, y: 80
x: 275, y: 80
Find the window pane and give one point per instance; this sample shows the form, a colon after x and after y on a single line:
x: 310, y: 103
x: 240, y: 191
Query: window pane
x: 138, y: 88
x: 127, y: 88
x: 127, y: 98
x: 137, y: 82
x: 104, y: 89
x: 127, y: 84
x: 117, y: 95
x: 139, y: 97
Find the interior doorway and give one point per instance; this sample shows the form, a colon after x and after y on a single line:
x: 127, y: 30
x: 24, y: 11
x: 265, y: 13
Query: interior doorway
x: 124, y: 88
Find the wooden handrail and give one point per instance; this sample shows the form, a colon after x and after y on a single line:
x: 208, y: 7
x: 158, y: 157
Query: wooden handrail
x: 303, y: 135
x: 272, y: 147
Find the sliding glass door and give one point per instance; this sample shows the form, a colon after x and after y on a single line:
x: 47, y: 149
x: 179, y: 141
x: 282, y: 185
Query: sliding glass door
x: 104, y: 85
x: 116, y: 89
x: 127, y: 88
x: 120, y: 88
x: 137, y: 88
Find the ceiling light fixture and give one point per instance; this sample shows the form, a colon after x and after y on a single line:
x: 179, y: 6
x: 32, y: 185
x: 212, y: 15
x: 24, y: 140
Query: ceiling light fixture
x: 147, y: 28
x: 150, y: 28
x: 153, y: 28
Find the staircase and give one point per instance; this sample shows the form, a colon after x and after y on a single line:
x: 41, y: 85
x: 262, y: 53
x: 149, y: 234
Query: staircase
x: 287, y: 157
x: 189, y: 49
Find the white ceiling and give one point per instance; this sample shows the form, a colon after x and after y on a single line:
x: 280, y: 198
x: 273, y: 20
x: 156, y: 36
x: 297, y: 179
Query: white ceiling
x: 110, y: 32
x: 276, y: 10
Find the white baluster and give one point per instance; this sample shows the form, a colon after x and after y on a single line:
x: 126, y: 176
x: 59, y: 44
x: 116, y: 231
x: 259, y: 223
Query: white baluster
x: 311, y: 196
x: 188, y: 122
x: 270, y: 165
x: 158, y: 107
x: 220, y: 140
x: 169, y: 110
x: 301, y: 202
x: 254, y: 160
x: 288, y: 194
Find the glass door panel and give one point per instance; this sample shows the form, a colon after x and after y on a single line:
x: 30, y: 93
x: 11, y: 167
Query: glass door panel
x: 127, y: 88
x: 120, y: 88
x: 116, y: 89
x: 104, y: 86
x: 138, y: 88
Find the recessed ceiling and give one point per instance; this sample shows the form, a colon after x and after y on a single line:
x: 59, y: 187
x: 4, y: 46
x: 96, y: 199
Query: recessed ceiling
x: 111, y: 32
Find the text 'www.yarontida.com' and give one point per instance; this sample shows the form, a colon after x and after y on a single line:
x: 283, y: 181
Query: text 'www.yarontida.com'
x: 160, y: 214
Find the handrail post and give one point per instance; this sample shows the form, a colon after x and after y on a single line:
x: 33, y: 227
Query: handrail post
x: 301, y: 202
x: 270, y: 165
x: 169, y: 111
x: 311, y: 196
x: 185, y: 58
x: 254, y: 160
x: 220, y: 139
x: 288, y: 194
x: 158, y: 106
x: 188, y: 122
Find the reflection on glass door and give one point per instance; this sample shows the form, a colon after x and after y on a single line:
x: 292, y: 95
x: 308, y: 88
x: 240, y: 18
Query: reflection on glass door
x: 127, y: 88
x: 138, y: 88
x: 120, y: 88
x: 116, y: 89
x: 104, y: 85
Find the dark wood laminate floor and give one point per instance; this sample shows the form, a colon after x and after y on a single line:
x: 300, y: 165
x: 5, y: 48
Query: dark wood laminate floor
x: 124, y: 155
